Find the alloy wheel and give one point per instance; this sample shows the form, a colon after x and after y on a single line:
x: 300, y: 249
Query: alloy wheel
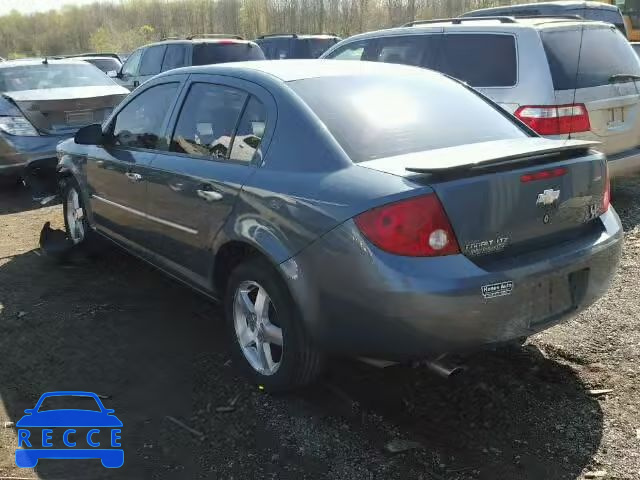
x: 256, y: 327
x: 75, y: 216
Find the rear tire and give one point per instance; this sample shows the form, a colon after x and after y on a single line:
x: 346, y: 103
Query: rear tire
x: 269, y: 342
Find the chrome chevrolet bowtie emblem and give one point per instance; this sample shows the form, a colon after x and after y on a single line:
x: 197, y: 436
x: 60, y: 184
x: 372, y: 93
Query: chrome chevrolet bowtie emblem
x: 548, y: 197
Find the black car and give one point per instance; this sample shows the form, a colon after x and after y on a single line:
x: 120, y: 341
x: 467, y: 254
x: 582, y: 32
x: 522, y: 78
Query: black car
x: 206, y: 49
x: 278, y: 46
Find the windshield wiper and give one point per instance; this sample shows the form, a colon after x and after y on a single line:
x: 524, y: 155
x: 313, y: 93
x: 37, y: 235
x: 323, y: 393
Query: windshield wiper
x: 623, y: 76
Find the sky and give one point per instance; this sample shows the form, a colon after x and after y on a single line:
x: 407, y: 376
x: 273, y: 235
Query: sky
x: 30, y: 6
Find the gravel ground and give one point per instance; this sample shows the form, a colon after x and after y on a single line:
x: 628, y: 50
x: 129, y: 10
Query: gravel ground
x: 154, y: 350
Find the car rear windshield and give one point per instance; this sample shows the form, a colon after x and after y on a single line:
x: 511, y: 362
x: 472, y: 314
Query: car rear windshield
x: 376, y: 116
x: 600, y: 52
x: 40, y: 76
x: 106, y: 64
x: 208, y: 53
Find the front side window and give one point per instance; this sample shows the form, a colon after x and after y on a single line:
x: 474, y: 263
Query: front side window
x: 151, y: 62
x: 352, y: 51
x: 130, y: 67
x: 208, y: 120
x: 481, y: 60
x: 139, y: 123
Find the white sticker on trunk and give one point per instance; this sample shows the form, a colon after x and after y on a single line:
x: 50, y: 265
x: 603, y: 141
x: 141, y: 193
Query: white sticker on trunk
x: 497, y: 289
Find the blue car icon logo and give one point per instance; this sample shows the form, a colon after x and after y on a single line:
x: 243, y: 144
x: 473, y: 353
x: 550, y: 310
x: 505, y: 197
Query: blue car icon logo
x: 83, y: 433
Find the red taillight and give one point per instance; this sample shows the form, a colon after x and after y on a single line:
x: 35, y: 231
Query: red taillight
x: 543, y: 175
x: 555, y: 119
x: 606, y: 196
x: 417, y: 227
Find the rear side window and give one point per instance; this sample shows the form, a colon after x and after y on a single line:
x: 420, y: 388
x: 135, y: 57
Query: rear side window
x: 386, y: 115
x: 250, y: 131
x: 605, y: 52
x: 481, y: 60
x: 407, y: 50
x: 207, y: 121
x: 152, y: 60
x: 175, y: 57
x: 139, y: 123
x: 416, y: 50
x: 221, y: 52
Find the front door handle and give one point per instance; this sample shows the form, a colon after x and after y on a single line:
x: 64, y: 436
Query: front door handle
x: 209, y: 195
x: 134, y: 177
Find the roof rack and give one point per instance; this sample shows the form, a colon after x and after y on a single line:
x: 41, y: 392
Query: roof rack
x: 569, y: 17
x: 80, y: 55
x: 172, y: 37
x: 293, y: 35
x: 214, y: 35
x: 458, y: 21
x: 325, y: 33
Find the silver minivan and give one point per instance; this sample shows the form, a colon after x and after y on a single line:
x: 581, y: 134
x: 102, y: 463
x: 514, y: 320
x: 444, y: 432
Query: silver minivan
x: 563, y: 77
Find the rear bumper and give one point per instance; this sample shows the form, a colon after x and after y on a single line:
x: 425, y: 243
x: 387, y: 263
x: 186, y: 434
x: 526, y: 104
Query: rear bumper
x: 624, y: 163
x: 359, y: 301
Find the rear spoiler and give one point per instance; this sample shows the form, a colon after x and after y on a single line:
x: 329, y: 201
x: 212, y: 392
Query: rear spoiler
x: 491, y: 154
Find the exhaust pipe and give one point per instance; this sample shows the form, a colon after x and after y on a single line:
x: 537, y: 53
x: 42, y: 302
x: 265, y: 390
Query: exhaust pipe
x: 443, y: 370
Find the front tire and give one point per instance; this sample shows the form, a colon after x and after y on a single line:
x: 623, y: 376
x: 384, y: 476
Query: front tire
x: 268, y: 338
x: 75, y: 216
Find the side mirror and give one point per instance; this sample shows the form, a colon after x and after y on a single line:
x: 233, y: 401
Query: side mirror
x: 29, y: 411
x: 113, y: 74
x: 89, y: 135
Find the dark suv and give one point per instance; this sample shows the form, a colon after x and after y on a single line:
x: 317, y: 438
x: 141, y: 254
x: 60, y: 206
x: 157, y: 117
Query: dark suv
x: 278, y: 46
x: 154, y: 58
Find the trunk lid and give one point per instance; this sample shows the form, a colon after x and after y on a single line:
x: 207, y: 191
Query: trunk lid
x: 62, y: 110
x: 496, y: 201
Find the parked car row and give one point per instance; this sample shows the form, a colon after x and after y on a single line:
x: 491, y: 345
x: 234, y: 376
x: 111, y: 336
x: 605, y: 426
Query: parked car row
x: 398, y: 209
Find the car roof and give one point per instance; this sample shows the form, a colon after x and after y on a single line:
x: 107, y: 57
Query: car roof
x: 291, y: 70
x: 198, y: 40
x: 513, y: 24
x: 40, y: 61
x: 560, y: 5
x: 297, y: 35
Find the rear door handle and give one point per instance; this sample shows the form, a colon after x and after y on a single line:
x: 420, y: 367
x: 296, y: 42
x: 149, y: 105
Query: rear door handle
x: 134, y: 177
x: 209, y: 195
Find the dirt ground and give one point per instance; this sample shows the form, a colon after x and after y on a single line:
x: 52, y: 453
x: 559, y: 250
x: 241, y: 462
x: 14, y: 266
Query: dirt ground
x: 154, y: 350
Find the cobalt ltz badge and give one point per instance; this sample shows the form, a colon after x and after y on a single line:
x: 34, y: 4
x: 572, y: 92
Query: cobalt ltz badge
x: 69, y: 433
x: 497, y: 289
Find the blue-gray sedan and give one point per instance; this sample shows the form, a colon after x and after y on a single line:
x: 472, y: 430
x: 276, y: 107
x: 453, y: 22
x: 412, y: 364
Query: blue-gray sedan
x: 373, y: 210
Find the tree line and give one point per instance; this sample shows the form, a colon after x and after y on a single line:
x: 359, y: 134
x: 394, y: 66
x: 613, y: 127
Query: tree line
x: 123, y: 26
